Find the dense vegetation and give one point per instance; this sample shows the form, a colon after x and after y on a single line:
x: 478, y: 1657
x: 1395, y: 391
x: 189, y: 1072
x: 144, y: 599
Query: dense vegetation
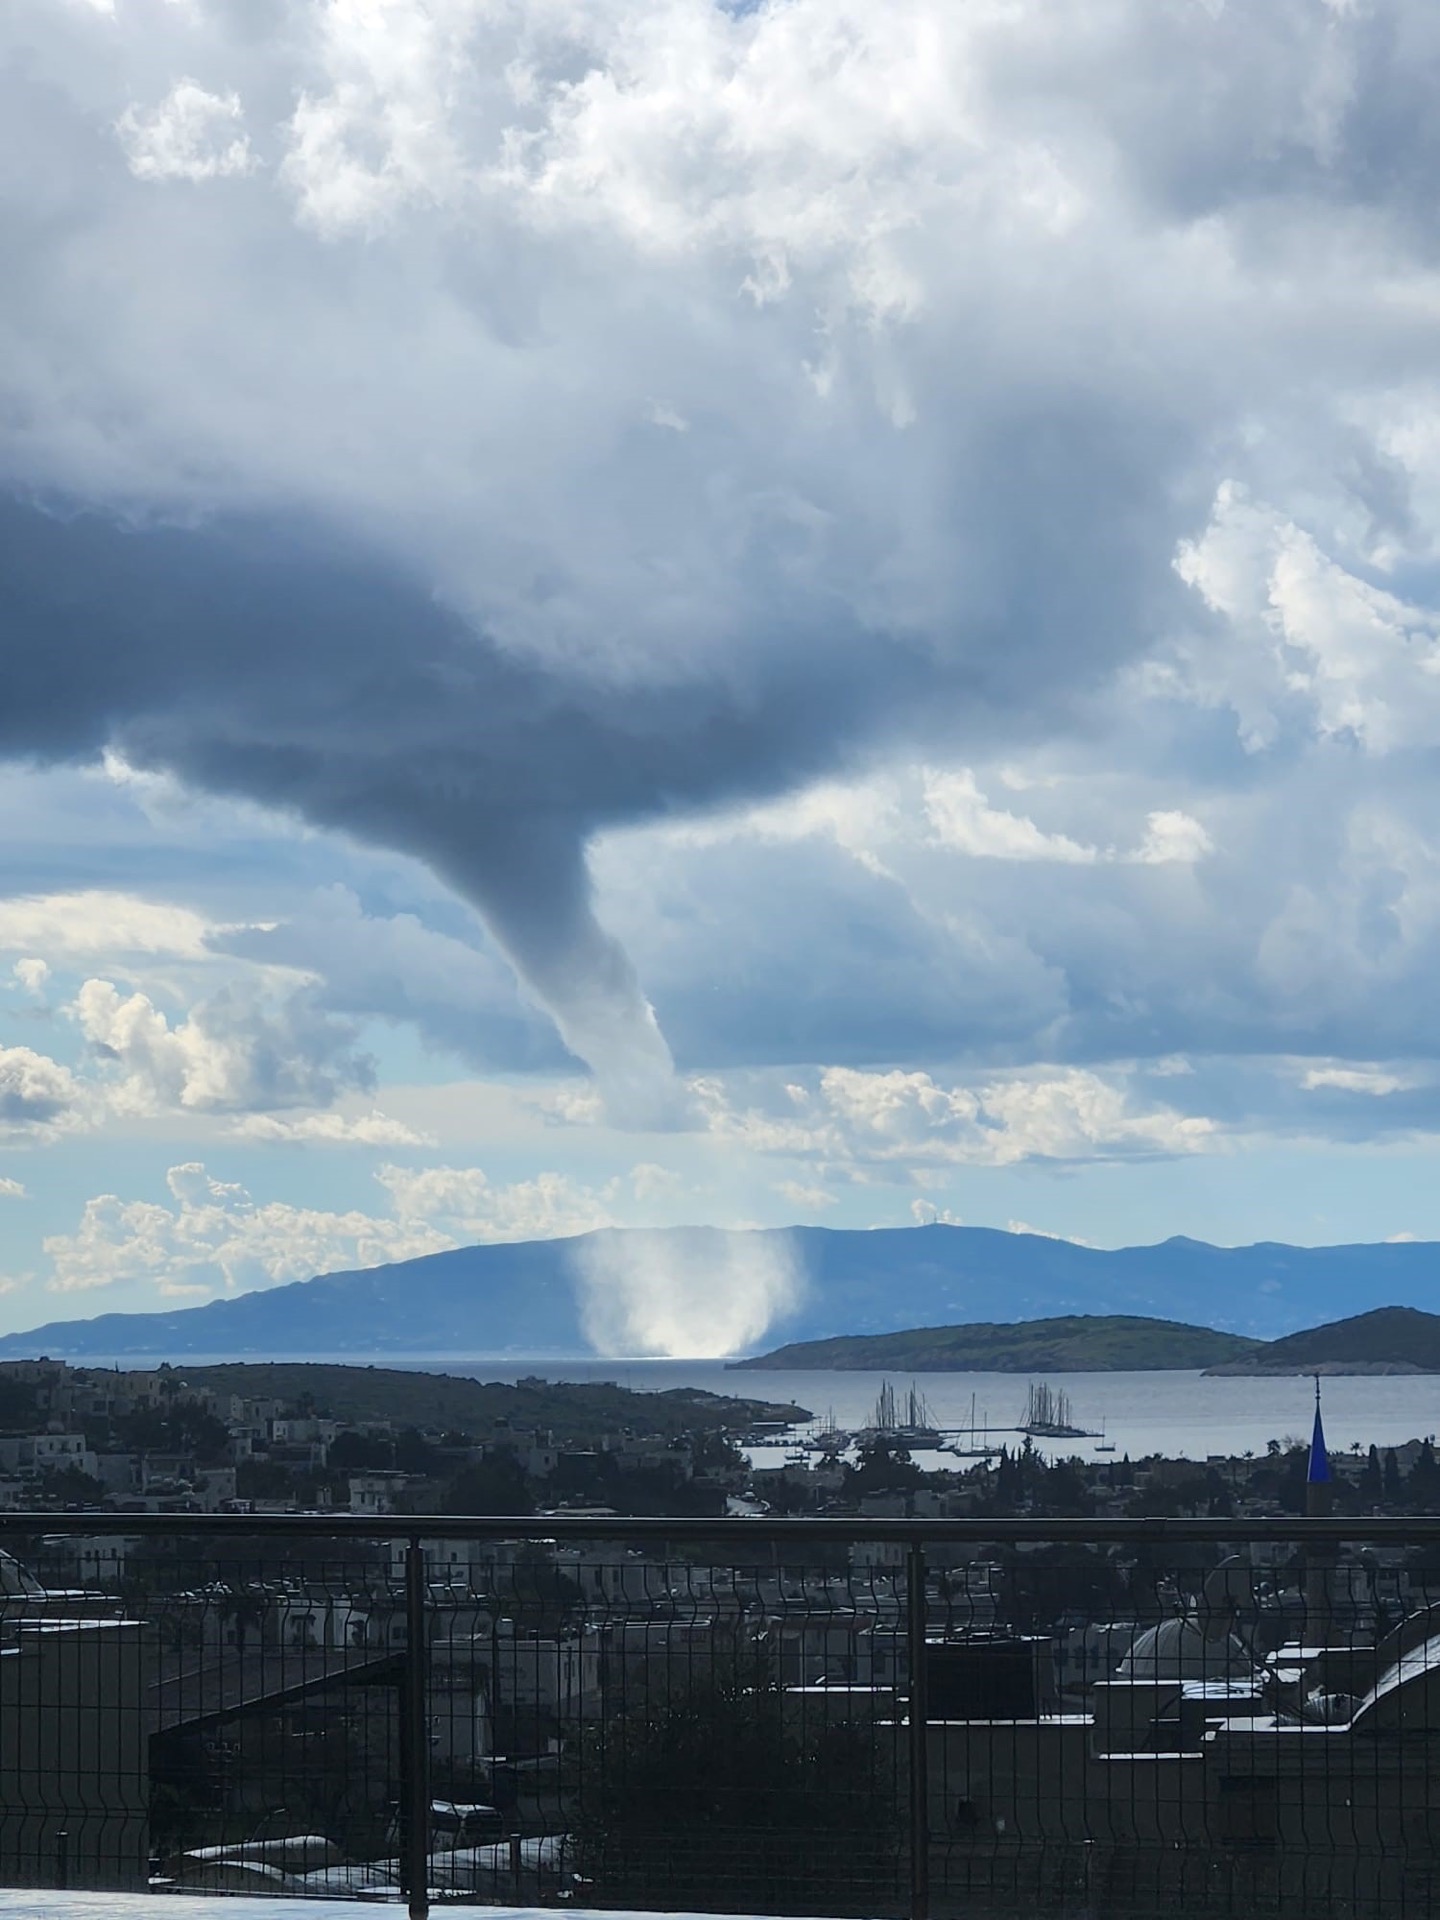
x: 1078, y: 1343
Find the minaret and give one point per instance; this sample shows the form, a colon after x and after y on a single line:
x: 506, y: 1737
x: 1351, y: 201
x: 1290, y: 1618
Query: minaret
x: 1319, y: 1486
x: 1319, y: 1481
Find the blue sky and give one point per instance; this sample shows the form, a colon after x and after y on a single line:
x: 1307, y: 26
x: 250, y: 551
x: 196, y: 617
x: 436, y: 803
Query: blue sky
x: 658, y: 612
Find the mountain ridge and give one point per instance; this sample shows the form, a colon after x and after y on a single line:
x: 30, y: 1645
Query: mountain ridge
x: 527, y: 1298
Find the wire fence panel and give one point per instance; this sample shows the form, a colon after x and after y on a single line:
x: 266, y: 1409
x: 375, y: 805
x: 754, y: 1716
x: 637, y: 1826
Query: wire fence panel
x: 842, y: 1718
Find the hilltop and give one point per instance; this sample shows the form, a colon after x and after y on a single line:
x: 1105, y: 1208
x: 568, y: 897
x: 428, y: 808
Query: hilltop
x: 1387, y: 1340
x: 1077, y: 1343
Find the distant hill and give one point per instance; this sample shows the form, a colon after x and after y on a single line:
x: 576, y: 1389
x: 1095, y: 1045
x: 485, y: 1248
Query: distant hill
x: 526, y: 1299
x: 1387, y: 1340
x: 1078, y: 1343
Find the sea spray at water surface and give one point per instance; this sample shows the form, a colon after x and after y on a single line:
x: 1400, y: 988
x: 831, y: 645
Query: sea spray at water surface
x: 697, y: 1293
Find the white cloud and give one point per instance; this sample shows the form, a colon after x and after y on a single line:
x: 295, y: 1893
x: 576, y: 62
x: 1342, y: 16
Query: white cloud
x: 374, y: 1129
x: 962, y: 818
x: 32, y: 976
x: 1305, y: 636
x: 806, y: 1196
x: 74, y: 925
x: 858, y: 816
x: 230, y: 1054
x: 192, y: 135
x: 1044, y: 1233
x: 1172, y: 838
x: 925, y: 1213
x: 1377, y: 1081
x: 11, y: 1189
x: 39, y: 1098
x: 908, y: 1121
x: 651, y: 1182
x: 464, y: 1199
x: 215, y: 1237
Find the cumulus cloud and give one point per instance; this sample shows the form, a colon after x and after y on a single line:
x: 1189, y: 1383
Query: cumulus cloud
x: 213, y: 1236
x: 32, y: 975
x: 192, y: 135
x: 230, y: 1054
x: 39, y: 1098
x: 550, y: 1206
x: 11, y: 1189
x: 910, y: 1123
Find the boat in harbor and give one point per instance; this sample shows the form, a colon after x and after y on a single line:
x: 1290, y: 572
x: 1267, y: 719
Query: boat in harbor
x: 969, y: 1443
x: 906, y: 1421
x: 1048, y: 1416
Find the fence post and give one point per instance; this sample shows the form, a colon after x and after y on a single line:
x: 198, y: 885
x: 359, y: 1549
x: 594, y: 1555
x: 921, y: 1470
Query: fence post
x: 919, y: 1768
x: 62, y: 1859
x: 415, y: 1738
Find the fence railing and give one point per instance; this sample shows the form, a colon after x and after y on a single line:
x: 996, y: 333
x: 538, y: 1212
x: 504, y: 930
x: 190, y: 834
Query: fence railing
x: 842, y: 1716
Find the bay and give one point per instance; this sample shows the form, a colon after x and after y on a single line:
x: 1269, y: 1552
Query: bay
x: 1181, y: 1414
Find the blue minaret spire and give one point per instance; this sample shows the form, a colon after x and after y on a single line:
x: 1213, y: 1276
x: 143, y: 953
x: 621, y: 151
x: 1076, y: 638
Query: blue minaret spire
x: 1318, y: 1473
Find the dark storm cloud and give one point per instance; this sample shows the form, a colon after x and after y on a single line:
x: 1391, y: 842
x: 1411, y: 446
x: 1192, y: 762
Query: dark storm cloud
x: 450, y: 426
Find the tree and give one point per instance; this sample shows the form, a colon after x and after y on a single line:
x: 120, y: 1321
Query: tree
x: 361, y: 1453
x: 495, y: 1484
x: 414, y: 1453
x: 180, y: 1426
x: 1371, y: 1486
x: 881, y: 1466
x: 1423, y: 1487
x: 1393, y: 1482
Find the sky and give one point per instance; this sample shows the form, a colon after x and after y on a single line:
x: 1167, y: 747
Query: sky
x: 649, y: 611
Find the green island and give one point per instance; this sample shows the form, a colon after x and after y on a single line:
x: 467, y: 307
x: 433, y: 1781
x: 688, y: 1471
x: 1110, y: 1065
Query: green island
x: 1387, y: 1340
x: 568, y: 1409
x: 1075, y: 1343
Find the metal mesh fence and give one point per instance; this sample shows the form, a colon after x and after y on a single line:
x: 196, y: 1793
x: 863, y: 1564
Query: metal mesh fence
x: 806, y: 1717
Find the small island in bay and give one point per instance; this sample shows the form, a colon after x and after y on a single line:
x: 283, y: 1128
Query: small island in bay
x: 1390, y: 1340
x: 1074, y: 1343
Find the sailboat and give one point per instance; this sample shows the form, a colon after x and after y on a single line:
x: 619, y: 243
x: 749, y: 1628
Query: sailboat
x: 1048, y: 1416
x: 1102, y: 1445
x: 907, y: 1421
x: 964, y: 1446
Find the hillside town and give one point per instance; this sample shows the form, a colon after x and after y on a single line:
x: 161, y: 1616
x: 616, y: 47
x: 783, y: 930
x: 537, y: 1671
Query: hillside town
x: 586, y: 1695
x: 154, y: 1441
